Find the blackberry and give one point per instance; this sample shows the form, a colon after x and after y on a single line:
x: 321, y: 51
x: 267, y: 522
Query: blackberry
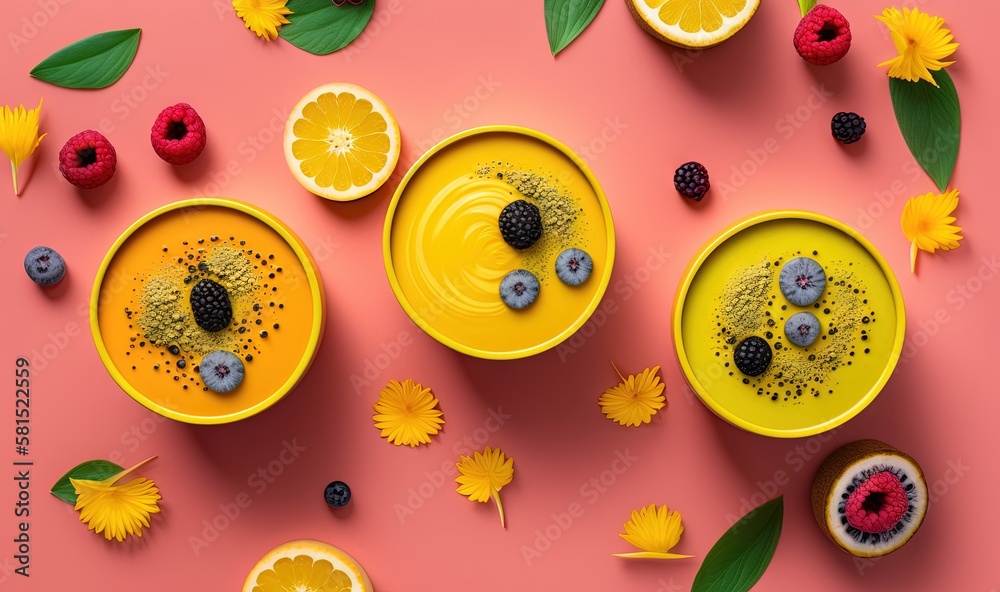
x: 848, y: 127
x: 691, y: 180
x: 520, y: 224
x: 752, y: 356
x: 211, y: 306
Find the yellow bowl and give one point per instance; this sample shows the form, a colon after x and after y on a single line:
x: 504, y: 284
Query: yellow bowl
x: 445, y: 257
x: 278, y: 308
x: 730, y: 291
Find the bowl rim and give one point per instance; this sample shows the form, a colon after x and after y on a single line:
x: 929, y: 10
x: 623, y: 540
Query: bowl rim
x: 450, y: 342
x: 709, y: 248
x: 315, y: 286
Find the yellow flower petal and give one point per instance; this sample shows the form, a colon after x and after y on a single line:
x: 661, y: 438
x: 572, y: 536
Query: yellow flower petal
x: 922, y: 42
x: 654, y: 530
x: 483, y: 475
x: 636, y: 400
x: 927, y: 224
x: 19, y: 135
x: 117, y: 511
x: 406, y: 413
x: 263, y: 17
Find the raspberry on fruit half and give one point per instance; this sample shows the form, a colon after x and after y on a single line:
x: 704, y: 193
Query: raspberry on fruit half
x: 88, y: 160
x: 823, y: 36
x: 178, y: 134
x: 691, y: 180
x: 848, y: 127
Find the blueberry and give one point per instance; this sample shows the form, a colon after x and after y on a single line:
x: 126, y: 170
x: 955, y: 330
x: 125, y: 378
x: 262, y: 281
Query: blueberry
x: 44, y: 266
x: 337, y: 494
x: 519, y: 288
x: 574, y: 266
x: 802, y: 328
x: 802, y: 281
x: 221, y: 371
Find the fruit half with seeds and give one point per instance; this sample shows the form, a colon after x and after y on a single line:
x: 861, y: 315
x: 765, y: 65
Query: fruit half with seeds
x: 869, y: 498
x: 802, y: 281
x: 802, y: 328
x: 574, y: 266
x: 221, y: 371
x: 341, y: 141
x: 692, y: 23
x: 519, y: 288
x: 307, y: 566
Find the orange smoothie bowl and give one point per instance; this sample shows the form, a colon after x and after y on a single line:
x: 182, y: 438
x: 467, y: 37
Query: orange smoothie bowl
x: 445, y: 256
x: 143, y: 324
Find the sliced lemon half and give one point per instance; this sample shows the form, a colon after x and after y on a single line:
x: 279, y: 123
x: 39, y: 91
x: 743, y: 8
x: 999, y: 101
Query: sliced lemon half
x: 341, y: 141
x: 307, y: 566
x: 692, y: 23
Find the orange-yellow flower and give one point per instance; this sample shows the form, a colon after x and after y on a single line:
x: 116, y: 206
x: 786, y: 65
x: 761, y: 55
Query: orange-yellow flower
x: 654, y: 530
x: 927, y: 224
x: 117, y: 510
x: 407, y: 413
x: 636, y: 400
x: 922, y: 41
x: 263, y: 17
x: 483, y: 475
x: 19, y: 135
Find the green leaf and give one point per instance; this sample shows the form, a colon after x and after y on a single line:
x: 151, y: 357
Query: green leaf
x: 319, y: 27
x: 740, y: 557
x: 95, y: 62
x: 931, y: 122
x: 95, y: 470
x: 565, y: 19
x: 806, y: 6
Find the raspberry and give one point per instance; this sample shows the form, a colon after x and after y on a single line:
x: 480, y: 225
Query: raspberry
x: 848, y: 127
x: 88, y: 160
x: 178, y: 134
x: 691, y: 180
x: 823, y: 36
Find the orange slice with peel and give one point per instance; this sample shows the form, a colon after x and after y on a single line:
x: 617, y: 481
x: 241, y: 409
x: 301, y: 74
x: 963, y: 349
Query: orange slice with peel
x: 692, y: 23
x: 341, y: 141
x: 307, y: 566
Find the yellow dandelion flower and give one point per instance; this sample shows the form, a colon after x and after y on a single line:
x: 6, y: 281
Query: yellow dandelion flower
x: 922, y: 42
x: 483, y: 475
x: 19, y: 135
x: 263, y: 17
x: 407, y: 413
x: 654, y: 530
x: 636, y: 400
x: 117, y: 510
x: 927, y: 224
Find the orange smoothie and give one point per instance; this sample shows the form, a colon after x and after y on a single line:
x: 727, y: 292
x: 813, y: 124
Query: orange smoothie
x: 146, y: 324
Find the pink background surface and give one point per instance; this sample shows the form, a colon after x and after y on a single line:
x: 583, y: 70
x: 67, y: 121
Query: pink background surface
x: 634, y: 108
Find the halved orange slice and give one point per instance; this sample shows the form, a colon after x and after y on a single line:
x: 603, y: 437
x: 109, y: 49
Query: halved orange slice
x: 307, y: 566
x: 341, y: 141
x: 692, y: 23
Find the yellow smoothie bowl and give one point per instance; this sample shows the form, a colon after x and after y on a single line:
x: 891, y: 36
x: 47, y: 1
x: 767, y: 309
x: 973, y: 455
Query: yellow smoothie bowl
x: 445, y: 257
x: 142, y: 321
x: 731, y: 291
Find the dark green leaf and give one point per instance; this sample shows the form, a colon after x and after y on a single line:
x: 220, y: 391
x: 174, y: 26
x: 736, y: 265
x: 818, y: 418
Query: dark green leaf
x: 95, y: 62
x: 740, y: 557
x: 565, y: 19
x: 319, y: 27
x: 931, y: 122
x: 95, y: 470
x: 806, y: 6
